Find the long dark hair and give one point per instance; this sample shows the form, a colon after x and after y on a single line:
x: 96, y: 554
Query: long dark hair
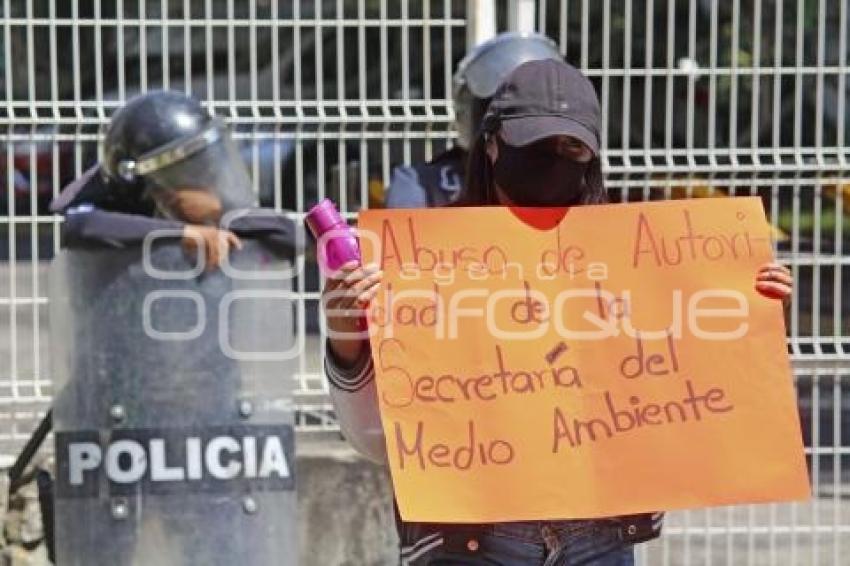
x: 480, y: 190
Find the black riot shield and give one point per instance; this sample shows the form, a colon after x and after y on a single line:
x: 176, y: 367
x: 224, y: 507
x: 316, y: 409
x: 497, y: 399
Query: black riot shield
x: 173, y: 413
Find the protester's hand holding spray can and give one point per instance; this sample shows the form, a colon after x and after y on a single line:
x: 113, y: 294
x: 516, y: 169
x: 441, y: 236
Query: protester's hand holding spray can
x: 337, y: 246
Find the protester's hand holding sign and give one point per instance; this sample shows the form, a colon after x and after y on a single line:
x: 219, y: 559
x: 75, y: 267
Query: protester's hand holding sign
x: 774, y: 280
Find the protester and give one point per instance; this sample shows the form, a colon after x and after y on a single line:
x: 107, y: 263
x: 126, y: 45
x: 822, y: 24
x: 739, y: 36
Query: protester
x: 538, y: 146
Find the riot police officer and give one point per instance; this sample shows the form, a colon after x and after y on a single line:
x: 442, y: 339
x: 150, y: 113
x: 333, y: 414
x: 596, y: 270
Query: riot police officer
x: 479, y: 73
x: 173, y: 415
x: 168, y: 167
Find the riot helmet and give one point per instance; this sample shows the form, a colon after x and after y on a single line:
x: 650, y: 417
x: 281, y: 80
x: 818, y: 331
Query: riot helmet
x: 165, y: 145
x: 482, y: 70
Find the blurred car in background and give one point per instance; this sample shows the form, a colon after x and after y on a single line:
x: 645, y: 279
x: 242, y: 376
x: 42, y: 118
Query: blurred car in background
x: 28, y: 169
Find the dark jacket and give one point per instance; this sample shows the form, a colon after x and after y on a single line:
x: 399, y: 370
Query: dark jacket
x: 426, y: 185
x: 99, y: 215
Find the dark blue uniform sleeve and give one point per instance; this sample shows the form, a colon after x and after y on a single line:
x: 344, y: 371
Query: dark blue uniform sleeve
x: 85, y: 189
x: 274, y: 228
x: 405, y: 190
x: 86, y: 225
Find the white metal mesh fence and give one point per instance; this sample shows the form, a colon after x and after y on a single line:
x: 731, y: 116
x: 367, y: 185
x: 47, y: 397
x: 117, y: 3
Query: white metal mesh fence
x: 700, y: 97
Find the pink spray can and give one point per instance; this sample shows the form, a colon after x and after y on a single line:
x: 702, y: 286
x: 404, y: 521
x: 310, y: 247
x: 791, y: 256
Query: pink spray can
x: 337, y: 244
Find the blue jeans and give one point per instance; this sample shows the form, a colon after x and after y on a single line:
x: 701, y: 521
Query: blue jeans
x: 561, y: 543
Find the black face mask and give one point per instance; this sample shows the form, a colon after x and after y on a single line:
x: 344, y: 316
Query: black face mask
x: 530, y: 176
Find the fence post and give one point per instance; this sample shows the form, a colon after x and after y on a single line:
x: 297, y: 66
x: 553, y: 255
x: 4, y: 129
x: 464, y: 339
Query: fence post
x: 481, y: 21
x: 521, y: 15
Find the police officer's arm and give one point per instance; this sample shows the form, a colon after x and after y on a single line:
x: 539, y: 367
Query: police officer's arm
x: 88, y: 224
x: 271, y: 226
x: 405, y: 190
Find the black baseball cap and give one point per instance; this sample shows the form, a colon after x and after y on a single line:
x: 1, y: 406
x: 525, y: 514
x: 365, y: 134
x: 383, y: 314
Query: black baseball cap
x: 545, y: 98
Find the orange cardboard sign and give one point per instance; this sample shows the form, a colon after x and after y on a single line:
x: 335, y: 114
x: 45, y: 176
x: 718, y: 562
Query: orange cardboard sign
x: 585, y: 362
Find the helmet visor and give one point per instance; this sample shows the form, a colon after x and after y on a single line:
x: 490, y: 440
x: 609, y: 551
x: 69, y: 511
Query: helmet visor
x: 484, y: 69
x: 212, y: 166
